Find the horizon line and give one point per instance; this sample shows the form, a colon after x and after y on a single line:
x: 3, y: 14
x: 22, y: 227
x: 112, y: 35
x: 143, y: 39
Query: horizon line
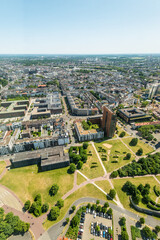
x: 79, y: 53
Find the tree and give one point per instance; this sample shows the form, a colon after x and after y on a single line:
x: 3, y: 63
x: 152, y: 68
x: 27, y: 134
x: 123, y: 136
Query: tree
x: 124, y: 235
x: 97, y: 202
x: 73, y: 208
x: 93, y: 207
x: 85, y: 145
x: 60, y: 203
x: 37, y: 211
x: 97, y: 228
x: 122, y: 221
x: 67, y: 220
x: 80, y: 164
x: 136, y: 198
x: 140, y: 187
x: 128, y: 156
x: 89, y: 205
x: 142, y: 220
x: 27, y: 205
x: 1, y: 213
x: 54, y: 213
x: 104, y: 210
x: 112, y: 193
x: 133, y: 142
x: 45, y: 207
x: 84, y: 158
x: 99, y: 208
x: 109, y: 212
x: 146, y: 231
x: 157, y: 229
x: 54, y: 189
x: 33, y: 207
x: 74, y: 221
x: 146, y: 199
x: 140, y: 152
x: 72, y: 168
x: 122, y: 134
x: 114, y: 174
x: 106, y: 205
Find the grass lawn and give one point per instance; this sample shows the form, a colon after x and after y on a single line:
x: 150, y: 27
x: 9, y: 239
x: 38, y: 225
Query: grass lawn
x: 120, y: 129
x: 158, y: 177
x: 92, y: 168
x: 104, y: 185
x: 146, y: 148
x: 117, y: 145
x: 26, y: 182
x: 118, y: 183
x: 2, y: 166
x: 80, y: 179
x: 87, y: 191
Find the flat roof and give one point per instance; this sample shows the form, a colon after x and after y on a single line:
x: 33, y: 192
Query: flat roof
x: 86, y: 132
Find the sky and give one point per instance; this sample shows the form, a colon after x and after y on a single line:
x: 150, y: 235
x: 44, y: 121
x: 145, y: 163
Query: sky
x: 79, y: 26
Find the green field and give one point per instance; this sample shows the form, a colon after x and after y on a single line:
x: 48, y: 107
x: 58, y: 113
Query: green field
x: 2, y: 166
x: 146, y: 148
x: 104, y: 185
x: 158, y: 177
x: 26, y: 182
x: 92, y: 168
x: 80, y: 179
x: 117, y: 145
x: 87, y: 191
x: 118, y: 183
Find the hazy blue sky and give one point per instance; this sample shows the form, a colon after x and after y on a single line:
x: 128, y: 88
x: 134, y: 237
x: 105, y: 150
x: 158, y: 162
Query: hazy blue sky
x: 79, y: 26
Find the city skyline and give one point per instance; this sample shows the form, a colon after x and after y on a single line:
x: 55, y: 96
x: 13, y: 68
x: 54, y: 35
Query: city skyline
x: 81, y: 27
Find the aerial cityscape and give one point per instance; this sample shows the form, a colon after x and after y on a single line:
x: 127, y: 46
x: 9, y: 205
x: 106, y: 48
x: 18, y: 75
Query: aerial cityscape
x: 79, y: 124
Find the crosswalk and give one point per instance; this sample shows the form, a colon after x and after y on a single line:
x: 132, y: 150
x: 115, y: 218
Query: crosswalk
x: 6, y: 198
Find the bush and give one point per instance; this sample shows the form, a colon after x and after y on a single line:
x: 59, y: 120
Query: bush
x: 54, y: 213
x: 133, y: 142
x: 142, y: 220
x: 122, y: 134
x: 60, y: 203
x: 27, y: 205
x: 45, y: 207
x: 114, y: 174
x: 72, y: 168
x: 139, y: 152
x: 128, y: 156
x: 38, y: 199
x: 85, y: 145
x: 54, y: 189
x: 79, y: 165
x: 157, y: 192
x: 37, y: 211
x: 112, y: 193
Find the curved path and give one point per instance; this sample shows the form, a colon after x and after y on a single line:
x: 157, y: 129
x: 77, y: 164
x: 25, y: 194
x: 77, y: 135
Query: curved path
x: 53, y: 232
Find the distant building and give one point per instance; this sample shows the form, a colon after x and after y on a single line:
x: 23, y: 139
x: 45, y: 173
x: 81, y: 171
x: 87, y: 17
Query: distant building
x: 154, y: 89
x: 87, y: 135
x: 133, y: 115
x: 45, y: 107
x: 13, y: 108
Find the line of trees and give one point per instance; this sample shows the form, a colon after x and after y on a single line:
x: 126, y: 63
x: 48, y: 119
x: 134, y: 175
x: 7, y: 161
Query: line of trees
x: 10, y: 224
x: 37, y: 208
x: 78, y: 156
x: 144, y: 166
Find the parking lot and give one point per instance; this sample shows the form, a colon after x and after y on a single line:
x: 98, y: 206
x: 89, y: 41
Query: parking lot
x: 89, y: 223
